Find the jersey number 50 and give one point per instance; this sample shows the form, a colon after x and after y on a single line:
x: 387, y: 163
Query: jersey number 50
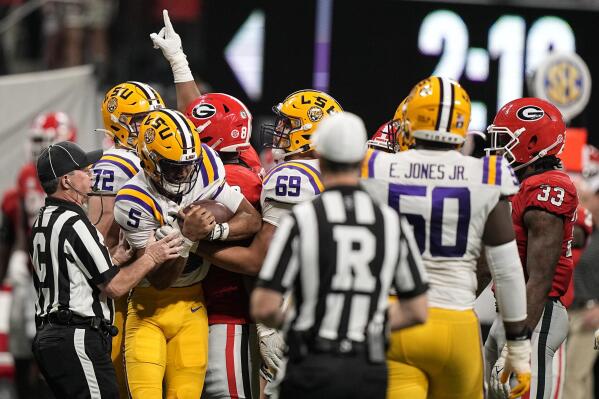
x: 434, y: 221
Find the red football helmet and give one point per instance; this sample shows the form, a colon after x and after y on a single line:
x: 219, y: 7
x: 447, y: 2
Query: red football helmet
x: 383, y: 140
x: 49, y: 128
x: 223, y: 122
x: 527, y: 129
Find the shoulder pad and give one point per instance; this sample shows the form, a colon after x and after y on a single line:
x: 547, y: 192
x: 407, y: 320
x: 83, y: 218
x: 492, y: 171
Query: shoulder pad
x: 496, y: 171
x: 212, y: 168
x: 292, y: 182
x: 132, y: 196
x: 552, y: 191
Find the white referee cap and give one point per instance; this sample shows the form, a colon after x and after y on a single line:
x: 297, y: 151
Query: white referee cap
x: 341, y: 138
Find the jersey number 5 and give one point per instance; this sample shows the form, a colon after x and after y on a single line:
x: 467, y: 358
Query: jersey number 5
x: 436, y: 224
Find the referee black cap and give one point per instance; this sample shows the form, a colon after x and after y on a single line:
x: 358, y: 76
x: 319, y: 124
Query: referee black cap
x: 64, y: 157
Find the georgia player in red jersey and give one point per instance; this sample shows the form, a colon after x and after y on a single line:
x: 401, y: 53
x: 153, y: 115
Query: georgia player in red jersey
x: 225, y: 124
x: 530, y: 133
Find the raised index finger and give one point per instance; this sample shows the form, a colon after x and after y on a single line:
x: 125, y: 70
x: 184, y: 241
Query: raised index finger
x: 167, y: 22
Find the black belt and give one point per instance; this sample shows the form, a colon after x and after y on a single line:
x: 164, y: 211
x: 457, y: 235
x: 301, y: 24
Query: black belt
x: 65, y: 317
x: 344, y: 347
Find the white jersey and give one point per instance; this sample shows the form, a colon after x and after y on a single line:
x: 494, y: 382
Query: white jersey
x: 447, y: 198
x: 116, y: 167
x: 140, y: 209
x: 288, y: 184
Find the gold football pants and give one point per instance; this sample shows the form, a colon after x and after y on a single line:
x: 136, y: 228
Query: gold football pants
x: 120, y: 313
x: 166, y: 337
x: 441, y: 359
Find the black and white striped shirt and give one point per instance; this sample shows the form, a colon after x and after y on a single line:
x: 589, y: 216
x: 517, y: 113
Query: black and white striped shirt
x: 340, y: 254
x: 69, y: 261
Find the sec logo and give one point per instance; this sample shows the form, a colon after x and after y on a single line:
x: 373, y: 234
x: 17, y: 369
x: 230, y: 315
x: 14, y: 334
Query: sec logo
x: 203, y: 111
x: 530, y: 113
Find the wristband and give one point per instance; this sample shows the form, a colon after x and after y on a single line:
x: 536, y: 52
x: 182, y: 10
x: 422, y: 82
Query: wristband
x: 220, y: 232
x: 525, y: 334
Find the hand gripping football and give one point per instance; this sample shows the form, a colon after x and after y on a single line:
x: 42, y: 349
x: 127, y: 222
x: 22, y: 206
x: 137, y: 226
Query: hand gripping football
x: 221, y: 213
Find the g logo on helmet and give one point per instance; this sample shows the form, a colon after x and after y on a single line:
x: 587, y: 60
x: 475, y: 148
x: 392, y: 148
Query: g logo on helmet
x: 150, y: 135
x: 112, y: 104
x: 203, y: 111
x: 315, y: 114
x: 530, y: 113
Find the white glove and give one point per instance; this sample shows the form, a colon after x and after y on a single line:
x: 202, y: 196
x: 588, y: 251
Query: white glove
x: 498, y: 390
x: 597, y: 339
x: 515, y: 358
x: 169, y: 42
x: 272, y: 347
x: 187, y: 244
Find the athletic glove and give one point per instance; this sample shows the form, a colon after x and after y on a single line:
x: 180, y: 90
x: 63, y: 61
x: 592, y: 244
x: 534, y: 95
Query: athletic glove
x: 597, y: 339
x: 515, y: 358
x: 169, y: 42
x: 187, y: 245
x: 272, y: 347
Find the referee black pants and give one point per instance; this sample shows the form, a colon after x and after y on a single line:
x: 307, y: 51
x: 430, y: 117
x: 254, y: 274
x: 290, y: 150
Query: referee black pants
x: 327, y: 376
x: 75, y: 361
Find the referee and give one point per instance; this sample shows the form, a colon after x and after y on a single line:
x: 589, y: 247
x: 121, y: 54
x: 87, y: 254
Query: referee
x: 75, y: 277
x: 339, y: 254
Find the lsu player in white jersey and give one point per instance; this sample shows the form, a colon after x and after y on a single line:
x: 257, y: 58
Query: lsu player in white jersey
x: 456, y: 204
x: 166, y: 334
x: 124, y: 107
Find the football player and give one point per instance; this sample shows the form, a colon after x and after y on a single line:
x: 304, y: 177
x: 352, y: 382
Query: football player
x: 124, y: 107
x: 225, y: 124
x: 290, y: 182
x: 530, y: 133
x: 166, y: 334
x: 456, y: 205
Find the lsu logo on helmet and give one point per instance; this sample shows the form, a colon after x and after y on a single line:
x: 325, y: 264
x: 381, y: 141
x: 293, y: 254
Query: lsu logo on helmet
x: 296, y: 119
x: 170, y: 151
x: 124, y: 107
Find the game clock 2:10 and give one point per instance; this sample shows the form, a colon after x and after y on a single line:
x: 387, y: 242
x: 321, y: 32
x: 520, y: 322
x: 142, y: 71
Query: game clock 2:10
x: 444, y: 34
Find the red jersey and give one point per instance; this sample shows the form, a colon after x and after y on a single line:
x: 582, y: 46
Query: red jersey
x: 252, y: 159
x: 554, y: 192
x: 10, y: 206
x: 584, y: 220
x: 31, y: 193
x: 227, y: 299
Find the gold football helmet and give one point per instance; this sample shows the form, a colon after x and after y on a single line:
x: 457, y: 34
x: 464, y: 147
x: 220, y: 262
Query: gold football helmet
x: 170, y: 151
x: 296, y: 119
x: 124, y: 107
x: 437, y: 109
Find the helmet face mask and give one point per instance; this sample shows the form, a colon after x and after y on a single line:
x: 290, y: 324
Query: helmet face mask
x: 171, y: 152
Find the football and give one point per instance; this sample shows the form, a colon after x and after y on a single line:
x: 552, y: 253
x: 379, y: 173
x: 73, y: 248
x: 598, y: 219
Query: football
x: 221, y: 213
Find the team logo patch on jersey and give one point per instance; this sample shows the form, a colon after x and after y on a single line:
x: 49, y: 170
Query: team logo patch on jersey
x: 530, y: 113
x: 112, y: 104
x: 203, y: 111
x: 234, y: 133
x: 315, y: 114
x: 150, y: 135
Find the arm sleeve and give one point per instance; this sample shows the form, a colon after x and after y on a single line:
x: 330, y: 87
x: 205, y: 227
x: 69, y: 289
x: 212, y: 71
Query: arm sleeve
x: 228, y: 196
x: 90, y: 253
x: 508, y: 275
x: 410, y: 277
x: 274, y: 211
x: 281, y: 265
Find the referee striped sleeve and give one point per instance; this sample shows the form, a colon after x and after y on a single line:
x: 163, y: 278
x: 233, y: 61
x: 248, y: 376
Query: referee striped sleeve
x: 410, y: 276
x: 93, y: 257
x: 281, y: 263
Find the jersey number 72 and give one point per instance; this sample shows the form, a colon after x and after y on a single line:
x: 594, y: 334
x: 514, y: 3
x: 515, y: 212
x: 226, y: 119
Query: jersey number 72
x: 430, y: 226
